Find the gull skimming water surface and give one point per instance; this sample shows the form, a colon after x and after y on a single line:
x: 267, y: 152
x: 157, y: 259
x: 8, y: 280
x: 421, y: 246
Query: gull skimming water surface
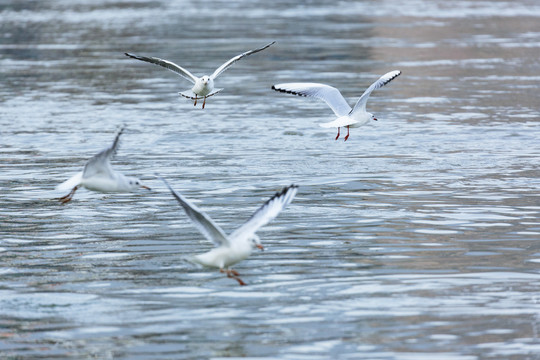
x: 239, y: 244
x: 98, y: 175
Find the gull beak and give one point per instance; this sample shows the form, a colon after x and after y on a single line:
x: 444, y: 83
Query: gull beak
x: 145, y: 187
x: 260, y: 247
x: 375, y: 119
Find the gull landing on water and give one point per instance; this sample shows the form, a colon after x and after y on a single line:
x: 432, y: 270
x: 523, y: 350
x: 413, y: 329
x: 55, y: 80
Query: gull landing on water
x: 239, y: 244
x: 203, y: 87
x: 98, y: 175
x: 346, y: 116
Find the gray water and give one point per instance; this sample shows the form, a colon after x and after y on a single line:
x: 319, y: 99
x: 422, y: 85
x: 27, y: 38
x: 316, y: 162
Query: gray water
x: 418, y: 238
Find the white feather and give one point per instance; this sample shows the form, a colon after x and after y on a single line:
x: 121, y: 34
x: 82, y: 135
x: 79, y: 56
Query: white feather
x: 71, y: 182
x: 339, y: 122
x: 330, y: 95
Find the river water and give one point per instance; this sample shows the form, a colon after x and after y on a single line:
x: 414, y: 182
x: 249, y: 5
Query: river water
x: 418, y: 238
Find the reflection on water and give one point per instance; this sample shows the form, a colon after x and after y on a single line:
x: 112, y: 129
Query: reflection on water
x: 416, y: 239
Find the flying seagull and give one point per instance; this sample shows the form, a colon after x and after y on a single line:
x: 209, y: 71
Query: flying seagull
x: 346, y: 116
x: 203, y: 87
x: 98, y: 175
x: 239, y: 244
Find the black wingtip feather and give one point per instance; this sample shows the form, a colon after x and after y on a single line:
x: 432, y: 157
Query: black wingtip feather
x: 393, y: 77
x: 283, y: 191
x: 135, y: 57
x: 117, y: 137
x: 288, y: 91
x: 278, y: 194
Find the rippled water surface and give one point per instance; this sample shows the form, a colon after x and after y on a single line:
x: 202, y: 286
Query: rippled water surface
x: 418, y: 238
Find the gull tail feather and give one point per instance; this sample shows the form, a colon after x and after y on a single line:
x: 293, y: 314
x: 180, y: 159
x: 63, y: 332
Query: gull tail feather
x: 71, y: 182
x: 191, y: 95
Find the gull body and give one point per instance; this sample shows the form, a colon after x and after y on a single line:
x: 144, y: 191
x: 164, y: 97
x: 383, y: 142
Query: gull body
x: 203, y: 87
x: 240, y: 243
x: 223, y: 257
x: 99, y: 176
x: 346, y: 116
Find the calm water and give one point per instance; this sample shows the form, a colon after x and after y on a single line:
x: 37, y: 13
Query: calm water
x: 418, y: 238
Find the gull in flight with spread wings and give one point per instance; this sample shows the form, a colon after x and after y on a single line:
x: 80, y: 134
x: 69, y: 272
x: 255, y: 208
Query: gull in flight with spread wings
x: 239, y: 244
x: 203, y: 87
x: 98, y: 175
x: 346, y: 116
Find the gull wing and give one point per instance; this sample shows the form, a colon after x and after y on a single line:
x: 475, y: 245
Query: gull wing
x: 383, y: 80
x: 266, y: 213
x: 100, y: 163
x: 167, y: 65
x: 201, y: 220
x: 225, y: 66
x: 327, y: 93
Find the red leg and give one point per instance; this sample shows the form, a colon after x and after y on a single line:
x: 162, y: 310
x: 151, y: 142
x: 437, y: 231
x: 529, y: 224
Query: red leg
x: 68, y: 197
x: 337, y: 137
x: 195, y: 103
x: 239, y: 280
x: 204, y: 102
x: 233, y: 275
x: 346, y: 137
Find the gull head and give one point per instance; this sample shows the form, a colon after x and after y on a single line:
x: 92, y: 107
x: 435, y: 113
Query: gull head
x: 256, y: 242
x: 206, y: 80
x: 203, y: 86
x: 135, y: 183
x: 372, y: 116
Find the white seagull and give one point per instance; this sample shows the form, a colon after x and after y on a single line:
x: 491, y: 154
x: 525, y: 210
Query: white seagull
x: 239, y: 244
x: 346, y: 116
x: 98, y: 175
x: 203, y: 87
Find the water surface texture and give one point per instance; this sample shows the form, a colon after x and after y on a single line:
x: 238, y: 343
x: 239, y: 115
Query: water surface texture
x: 418, y: 238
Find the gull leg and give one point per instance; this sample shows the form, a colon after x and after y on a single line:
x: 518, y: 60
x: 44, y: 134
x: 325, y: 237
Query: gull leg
x: 67, y: 198
x: 239, y: 280
x: 195, y: 103
x: 233, y: 275
x: 346, y: 137
x: 204, y: 102
x: 234, y: 272
x: 337, y: 137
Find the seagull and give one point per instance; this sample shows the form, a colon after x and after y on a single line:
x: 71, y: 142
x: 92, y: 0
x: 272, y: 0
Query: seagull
x: 346, y: 116
x: 98, y: 175
x: 203, y: 87
x: 238, y: 245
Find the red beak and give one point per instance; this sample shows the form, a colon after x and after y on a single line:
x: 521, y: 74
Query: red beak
x: 260, y: 247
x: 374, y: 119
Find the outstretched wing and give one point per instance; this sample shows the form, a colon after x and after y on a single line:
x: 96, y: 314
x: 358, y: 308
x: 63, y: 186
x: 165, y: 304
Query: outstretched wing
x: 167, y: 65
x: 266, y: 213
x: 327, y: 93
x: 100, y: 163
x: 225, y: 66
x: 201, y: 220
x: 383, y: 80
